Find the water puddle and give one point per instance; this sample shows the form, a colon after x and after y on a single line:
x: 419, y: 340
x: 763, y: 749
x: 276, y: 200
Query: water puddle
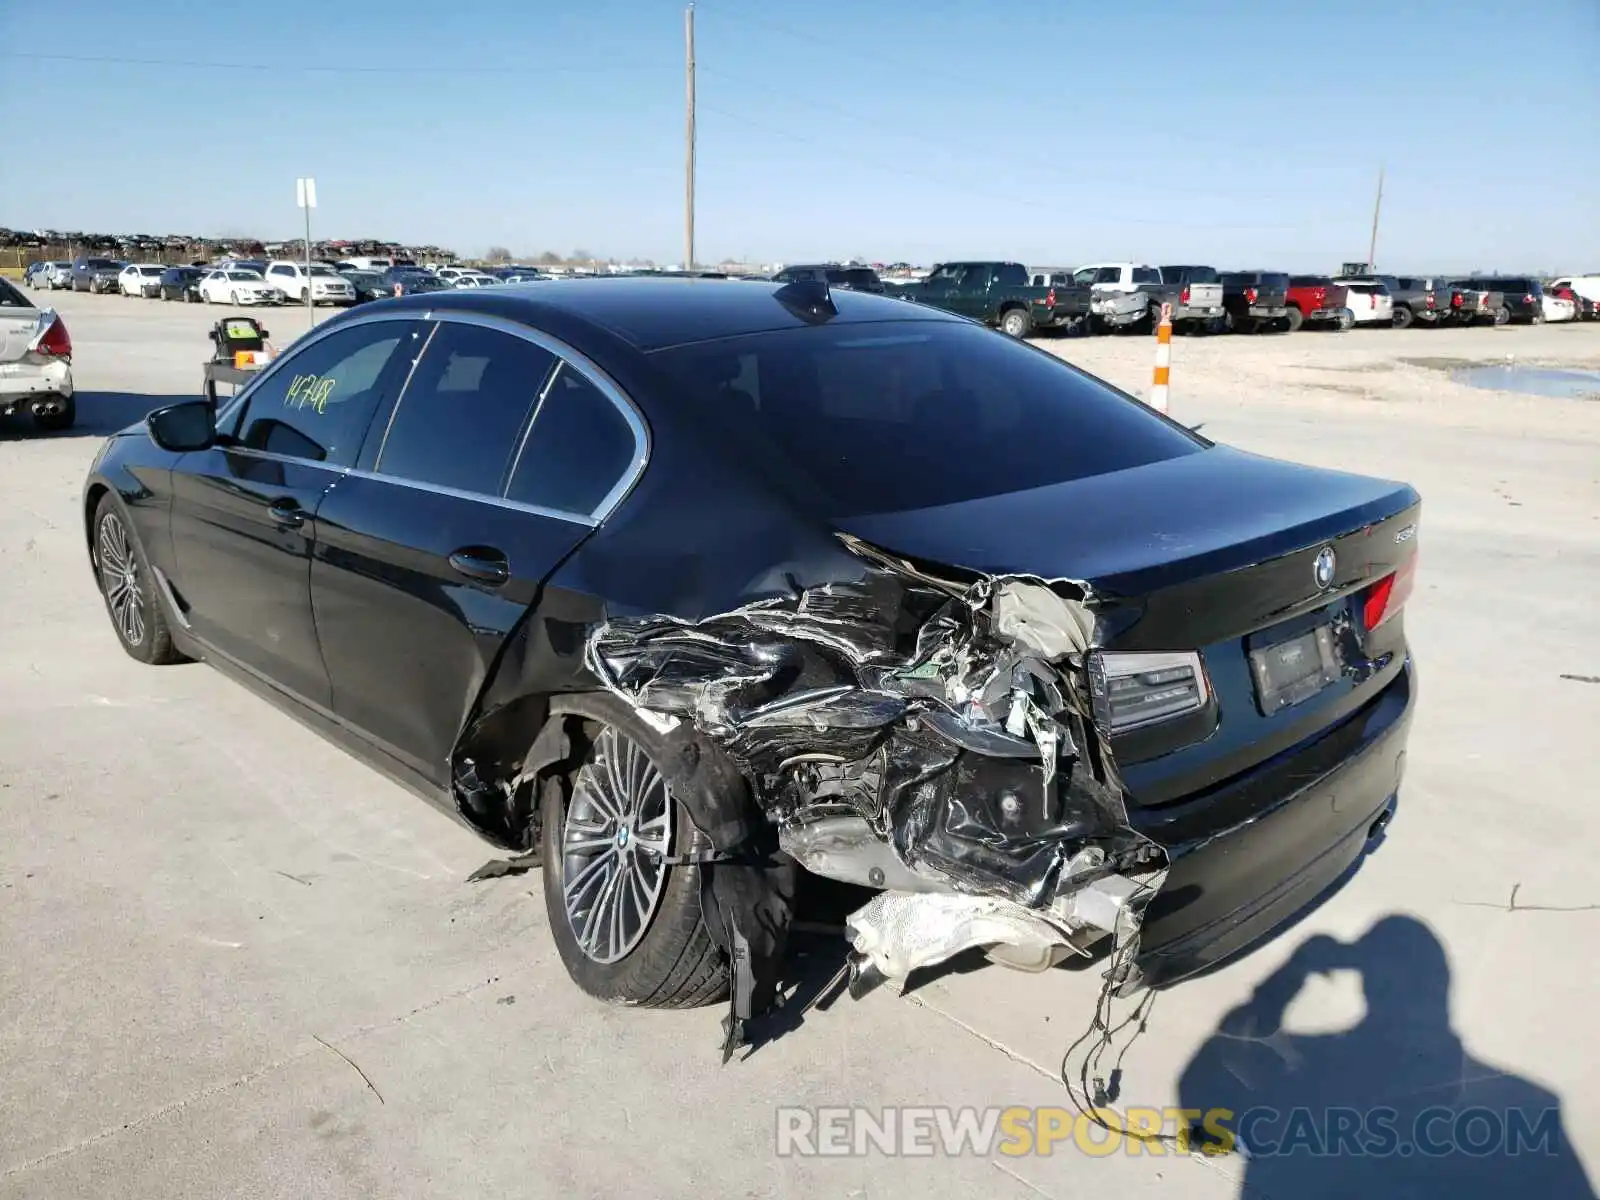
x: 1533, y: 381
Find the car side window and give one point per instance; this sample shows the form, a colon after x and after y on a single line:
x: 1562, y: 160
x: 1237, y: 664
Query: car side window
x: 1146, y: 275
x: 318, y: 401
x: 577, y: 449
x: 1013, y: 275
x: 459, y: 420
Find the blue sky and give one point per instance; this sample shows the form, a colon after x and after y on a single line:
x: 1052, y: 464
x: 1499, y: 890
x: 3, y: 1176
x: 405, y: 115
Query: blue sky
x: 1237, y: 132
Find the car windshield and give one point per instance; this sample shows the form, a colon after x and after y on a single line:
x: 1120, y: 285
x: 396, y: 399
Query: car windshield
x: 151, y: 270
x: 99, y: 264
x: 325, y: 272
x: 242, y: 276
x: 897, y: 416
x: 364, y: 278
x: 11, y: 298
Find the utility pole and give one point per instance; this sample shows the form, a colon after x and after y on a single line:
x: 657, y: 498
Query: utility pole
x: 1372, y: 246
x: 688, y: 149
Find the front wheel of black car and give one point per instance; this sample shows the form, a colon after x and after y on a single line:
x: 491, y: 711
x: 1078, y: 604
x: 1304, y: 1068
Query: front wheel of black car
x: 1016, y: 323
x: 128, y: 586
x: 627, y: 925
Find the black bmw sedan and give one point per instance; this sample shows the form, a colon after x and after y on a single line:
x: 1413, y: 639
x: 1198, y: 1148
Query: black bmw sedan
x: 679, y: 587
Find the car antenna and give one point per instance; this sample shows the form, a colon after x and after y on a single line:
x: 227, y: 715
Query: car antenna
x: 808, y: 299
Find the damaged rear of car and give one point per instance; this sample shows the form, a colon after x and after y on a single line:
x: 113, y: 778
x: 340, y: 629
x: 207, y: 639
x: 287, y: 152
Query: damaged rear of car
x: 905, y: 604
x: 721, y: 582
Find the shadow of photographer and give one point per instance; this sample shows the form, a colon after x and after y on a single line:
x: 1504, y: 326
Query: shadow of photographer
x: 1392, y: 1107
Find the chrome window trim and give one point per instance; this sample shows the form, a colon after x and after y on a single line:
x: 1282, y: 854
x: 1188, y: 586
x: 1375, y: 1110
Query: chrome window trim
x: 567, y: 356
x: 538, y: 407
x: 433, y: 328
x: 415, y: 485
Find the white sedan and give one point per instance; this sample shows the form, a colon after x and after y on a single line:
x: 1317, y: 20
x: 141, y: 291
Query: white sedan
x: 140, y: 279
x: 1554, y: 308
x: 473, y: 279
x: 35, y: 362
x: 238, y: 286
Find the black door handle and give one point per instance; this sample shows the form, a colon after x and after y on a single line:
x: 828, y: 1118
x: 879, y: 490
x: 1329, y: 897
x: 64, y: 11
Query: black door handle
x: 481, y: 563
x: 286, y: 512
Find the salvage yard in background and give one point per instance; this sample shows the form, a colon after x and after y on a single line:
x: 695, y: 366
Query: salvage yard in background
x: 241, y: 963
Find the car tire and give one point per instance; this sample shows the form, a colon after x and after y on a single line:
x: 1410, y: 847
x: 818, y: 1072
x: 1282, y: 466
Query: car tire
x: 127, y: 585
x: 1403, y: 317
x: 58, y: 422
x: 671, y: 961
x: 1296, y: 318
x: 1347, y: 320
x: 1015, y: 322
x: 1502, y: 315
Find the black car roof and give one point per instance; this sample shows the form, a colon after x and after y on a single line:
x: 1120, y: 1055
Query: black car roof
x: 651, y: 314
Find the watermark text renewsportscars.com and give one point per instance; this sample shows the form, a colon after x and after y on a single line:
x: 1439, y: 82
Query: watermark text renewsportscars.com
x: 1019, y: 1131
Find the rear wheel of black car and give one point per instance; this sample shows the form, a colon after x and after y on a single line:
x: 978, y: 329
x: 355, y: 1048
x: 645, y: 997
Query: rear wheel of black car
x: 57, y: 421
x: 627, y: 925
x: 1015, y: 322
x: 1403, y: 317
x: 128, y: 585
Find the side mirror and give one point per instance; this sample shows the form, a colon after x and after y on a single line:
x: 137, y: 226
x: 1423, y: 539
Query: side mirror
x: 181, y: 428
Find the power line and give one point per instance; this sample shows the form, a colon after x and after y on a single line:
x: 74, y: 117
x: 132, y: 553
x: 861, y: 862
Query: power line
x: 339, y: 69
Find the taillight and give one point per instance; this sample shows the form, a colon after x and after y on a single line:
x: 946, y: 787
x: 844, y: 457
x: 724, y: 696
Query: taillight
x: 1050, y: 298
x: 1389, y: 595
x: 1183, y: 296
x: 54, y: 341
x: 1250, y: 295
x: 1528, y: 298
x: 1131, y: 690
x: 1372, y: 299
x: 1431, y: 302
x: 1455, y: 299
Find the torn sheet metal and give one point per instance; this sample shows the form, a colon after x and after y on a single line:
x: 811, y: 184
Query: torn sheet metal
x: 952, y: 716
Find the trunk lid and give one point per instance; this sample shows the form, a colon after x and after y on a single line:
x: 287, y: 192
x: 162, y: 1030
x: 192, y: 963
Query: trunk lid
x: 18, y: 327
x: 1215, y: 553
x: 1138, y: 531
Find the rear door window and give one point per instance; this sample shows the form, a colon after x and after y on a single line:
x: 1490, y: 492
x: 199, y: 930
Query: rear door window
x: 1146, y: 275
x: 579, y: 448
x: 1012, y: 275
x: 462, y: 412
x: 318, y: 402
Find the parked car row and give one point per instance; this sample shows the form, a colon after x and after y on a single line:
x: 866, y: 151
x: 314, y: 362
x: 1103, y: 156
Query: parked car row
x: 1112, y: 297
x: 256, y: 281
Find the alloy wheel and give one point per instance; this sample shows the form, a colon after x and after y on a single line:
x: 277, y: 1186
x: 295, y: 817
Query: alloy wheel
x: 614, y: 844
x: 120, y: 580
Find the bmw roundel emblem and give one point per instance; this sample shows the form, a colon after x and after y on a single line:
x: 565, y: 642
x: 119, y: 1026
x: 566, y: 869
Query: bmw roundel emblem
x: 1322, y: 570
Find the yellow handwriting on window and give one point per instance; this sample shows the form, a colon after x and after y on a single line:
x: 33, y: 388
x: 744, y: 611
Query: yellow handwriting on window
x: 310, y: 391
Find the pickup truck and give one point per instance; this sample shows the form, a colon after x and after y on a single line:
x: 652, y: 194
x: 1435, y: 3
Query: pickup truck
x: 1256, y: 300
x: 1131, y: 295
x: 999, y: 295
x: 1491, y: 303
x: 1318, y: 300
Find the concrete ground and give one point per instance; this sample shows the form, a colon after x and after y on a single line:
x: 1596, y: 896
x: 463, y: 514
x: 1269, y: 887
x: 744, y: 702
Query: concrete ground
x: 235, y: 962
